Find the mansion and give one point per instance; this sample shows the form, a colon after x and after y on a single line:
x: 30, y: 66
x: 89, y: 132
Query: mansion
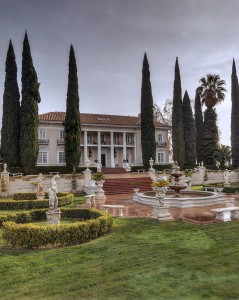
x: 109, y: 140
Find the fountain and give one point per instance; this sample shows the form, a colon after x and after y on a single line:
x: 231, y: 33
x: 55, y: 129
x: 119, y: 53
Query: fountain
x: 178, y: 197
x: 176, y: 174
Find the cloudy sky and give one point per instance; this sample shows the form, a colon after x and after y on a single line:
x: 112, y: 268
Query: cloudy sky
x: 110, y: 37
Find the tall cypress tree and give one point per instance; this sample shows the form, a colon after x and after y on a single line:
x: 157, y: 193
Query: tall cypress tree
x: 29, y: 110
x: 72, y: 120
x: 11, y: 111
x: 177, y: 119
x: 235, y: 117
x: 147, y: 116
x: 210, y: 136
x: 199, y: 127
x: 189, y: 132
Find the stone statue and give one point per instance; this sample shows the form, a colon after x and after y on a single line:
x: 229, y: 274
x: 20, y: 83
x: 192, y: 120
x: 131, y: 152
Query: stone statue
x: 227, y: 176
x: 53, y: 200
x: 92, y: 182
x: 40, y: 184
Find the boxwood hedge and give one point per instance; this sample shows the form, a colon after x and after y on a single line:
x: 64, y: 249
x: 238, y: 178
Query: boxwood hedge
x: 63, y: 199
x: 92, y: 224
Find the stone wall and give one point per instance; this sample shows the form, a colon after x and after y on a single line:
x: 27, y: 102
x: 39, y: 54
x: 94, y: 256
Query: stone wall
x: 26, y: 185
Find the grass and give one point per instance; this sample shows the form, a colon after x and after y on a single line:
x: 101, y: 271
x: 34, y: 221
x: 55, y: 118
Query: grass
x: 139, y: 259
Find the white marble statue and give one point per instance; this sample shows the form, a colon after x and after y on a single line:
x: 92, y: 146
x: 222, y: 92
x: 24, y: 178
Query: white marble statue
x: 40, y: 184
x: 227, y: 175
x: 53, y: 200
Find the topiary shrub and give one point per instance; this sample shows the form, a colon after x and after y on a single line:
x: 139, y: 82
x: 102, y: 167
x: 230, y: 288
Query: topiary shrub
x: 92, y: 224
x: 63, y: 200
x: 25, y: 196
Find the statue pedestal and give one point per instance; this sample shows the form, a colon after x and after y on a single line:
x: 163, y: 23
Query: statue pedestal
x: 53, y: 217
x: 40, y: 196
x: 161, y: 213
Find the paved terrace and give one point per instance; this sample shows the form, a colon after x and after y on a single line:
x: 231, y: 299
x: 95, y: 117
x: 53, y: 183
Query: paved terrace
x: 133, y: 209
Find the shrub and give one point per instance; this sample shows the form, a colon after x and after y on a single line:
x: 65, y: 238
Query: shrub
x: 231, y: 189
x: 63, y: 199
x: 95, y: 224
x: 25, y: 196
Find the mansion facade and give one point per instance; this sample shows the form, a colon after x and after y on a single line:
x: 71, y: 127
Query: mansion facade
x: 109, y: 140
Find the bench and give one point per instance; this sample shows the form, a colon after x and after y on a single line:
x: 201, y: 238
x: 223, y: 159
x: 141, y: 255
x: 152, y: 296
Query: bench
x: 141, y: 170
x: 18, y: 175
x: 226, y: 213
x: 210, y: 189
x: 120, y: 208
x: 89, y: 199
x: 54, y: 173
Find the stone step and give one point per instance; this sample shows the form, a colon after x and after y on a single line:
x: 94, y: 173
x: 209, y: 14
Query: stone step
x: 124, y: 185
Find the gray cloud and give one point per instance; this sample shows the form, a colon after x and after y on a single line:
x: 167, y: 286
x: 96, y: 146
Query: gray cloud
x: 110, y: 38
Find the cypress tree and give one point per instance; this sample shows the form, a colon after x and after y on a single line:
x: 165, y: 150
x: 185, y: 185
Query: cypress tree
x: 212, y: 92
x: 210, y: 136
x: 29, y: 110
x: 234, y: 117
x: 72, y: 120
x: 147, y: 116
x: 189, y: 132
x: 199, y: 127
x: 177, y: 119
x: 11, y: 111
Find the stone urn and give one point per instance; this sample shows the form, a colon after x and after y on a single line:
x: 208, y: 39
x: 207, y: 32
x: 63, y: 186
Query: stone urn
x: 160, y: 211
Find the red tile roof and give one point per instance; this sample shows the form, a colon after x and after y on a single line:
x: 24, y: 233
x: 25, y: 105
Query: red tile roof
x: 96, y: 119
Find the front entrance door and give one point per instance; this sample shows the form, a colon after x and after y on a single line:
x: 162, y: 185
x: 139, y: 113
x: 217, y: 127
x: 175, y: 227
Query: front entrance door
x: 103, y: 160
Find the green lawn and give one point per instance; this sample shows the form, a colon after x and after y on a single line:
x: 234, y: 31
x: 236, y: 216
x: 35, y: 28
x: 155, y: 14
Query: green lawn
x: 139, y: 259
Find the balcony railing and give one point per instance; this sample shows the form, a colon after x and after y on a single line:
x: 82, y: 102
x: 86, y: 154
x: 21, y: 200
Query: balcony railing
x: 161, y: 144
x: 43, y: 141
x: 60, y: 141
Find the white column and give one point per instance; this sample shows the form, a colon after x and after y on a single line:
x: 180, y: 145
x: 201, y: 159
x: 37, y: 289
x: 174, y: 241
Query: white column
x: 85, y: 146
x: 112, y: 160
x: 99, y: 147
x: 124, y: 145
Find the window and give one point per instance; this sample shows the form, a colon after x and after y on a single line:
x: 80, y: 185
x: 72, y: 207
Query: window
x: 42, y: 133
x: 160, y: 157
x: 102, y: 138
x: 160, y: 137
x: 89, y: 138
x: 129, y: 138
x: 116, y: 139
x: 42, y: 158
x: 62, y: 134
x: 61, y: 157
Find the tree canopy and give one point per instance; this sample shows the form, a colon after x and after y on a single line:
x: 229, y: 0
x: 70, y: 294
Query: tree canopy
x: 29, y: 109
x: 11, y: 111
x: 147, y: 116
x: 72, y: 121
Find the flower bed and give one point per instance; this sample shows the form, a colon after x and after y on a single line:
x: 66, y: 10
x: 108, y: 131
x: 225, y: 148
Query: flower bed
x: 92, y: 224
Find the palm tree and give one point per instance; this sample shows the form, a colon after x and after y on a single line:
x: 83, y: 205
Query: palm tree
x: 212, y: 92
x: 223, y: 155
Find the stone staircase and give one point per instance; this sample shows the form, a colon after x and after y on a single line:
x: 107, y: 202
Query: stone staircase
x: 113, y: 170
x: 113, y: 186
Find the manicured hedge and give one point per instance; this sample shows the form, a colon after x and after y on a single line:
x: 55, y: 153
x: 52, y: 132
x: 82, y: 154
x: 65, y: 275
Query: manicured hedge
x: 63, y: 199
x: 92, y: 224
x: 25, y: 196
x: 231, y: 189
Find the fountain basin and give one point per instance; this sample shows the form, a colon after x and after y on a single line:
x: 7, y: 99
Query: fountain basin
x: 186, y: 199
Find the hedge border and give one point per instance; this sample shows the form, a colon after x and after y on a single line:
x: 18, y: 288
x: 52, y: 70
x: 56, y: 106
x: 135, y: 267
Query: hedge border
x: 95, y: 224
x: 63, y: 199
